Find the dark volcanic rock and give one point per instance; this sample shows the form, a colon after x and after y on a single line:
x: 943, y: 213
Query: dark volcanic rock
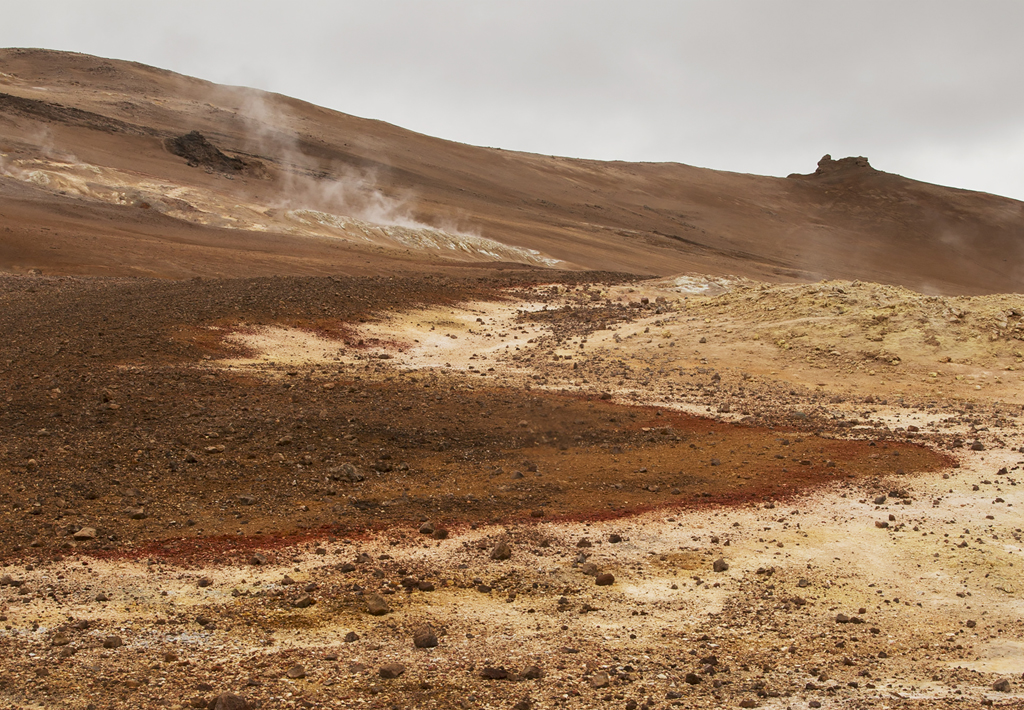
x: 229, y: 701
x: 391, y: 670
x: 376, y: 605
x: 494, y: 673
x: 199, y: 152
x: 501, y: 551
x: 424, y: 637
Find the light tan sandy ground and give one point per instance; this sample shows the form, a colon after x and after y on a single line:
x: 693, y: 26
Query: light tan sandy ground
x: 883, y: 340
x: 454, y: 339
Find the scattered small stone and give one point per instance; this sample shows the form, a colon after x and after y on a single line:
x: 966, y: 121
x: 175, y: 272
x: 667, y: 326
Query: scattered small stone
x: 205, y: 582
x: 295, y: 672
x: 303, y: 602
x: 720, y: 565
x: 391, y: 670
x: 424, y: 637
x: 494, y: 673
x: 112, y: 642
x: 614, y: 538
x: 85, y: 534
x: 531, y: 673
x: 501, y: 551
x: 605, y: 579
x: 351, y: 637
x: 375, y: 605
x: 599, y: 680
x: 1002, y: 685
x: 692, y: 678
x: 427, y: 529
x: 258, y: 559
x: 229, y: 701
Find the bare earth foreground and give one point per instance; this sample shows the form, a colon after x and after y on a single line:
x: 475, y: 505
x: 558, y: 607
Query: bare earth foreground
x: 519, y: 490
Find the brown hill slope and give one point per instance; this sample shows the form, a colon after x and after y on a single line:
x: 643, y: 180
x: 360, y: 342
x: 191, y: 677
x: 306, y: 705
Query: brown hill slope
x: 97, y: 177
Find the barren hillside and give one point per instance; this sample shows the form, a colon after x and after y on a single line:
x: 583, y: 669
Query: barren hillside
x: 98, y: 178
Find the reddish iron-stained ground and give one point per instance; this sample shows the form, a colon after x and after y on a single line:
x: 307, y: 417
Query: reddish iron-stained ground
x: 575, y: 459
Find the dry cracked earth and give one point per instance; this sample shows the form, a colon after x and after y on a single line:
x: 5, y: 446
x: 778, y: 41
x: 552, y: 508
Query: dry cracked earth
x: 520, y: 490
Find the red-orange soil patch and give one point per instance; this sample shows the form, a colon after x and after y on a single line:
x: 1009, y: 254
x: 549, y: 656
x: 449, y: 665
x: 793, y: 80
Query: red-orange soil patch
x: 249, y: 462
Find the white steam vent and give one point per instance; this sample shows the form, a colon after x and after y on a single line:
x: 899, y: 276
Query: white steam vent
x: 412, y: 235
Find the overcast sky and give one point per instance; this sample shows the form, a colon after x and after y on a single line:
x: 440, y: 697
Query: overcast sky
x: 933, y: 90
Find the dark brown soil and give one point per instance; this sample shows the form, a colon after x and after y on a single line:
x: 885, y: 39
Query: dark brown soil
x: 199, y: 152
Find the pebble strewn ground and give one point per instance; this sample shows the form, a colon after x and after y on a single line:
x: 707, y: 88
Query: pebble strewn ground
x: 189, y: 521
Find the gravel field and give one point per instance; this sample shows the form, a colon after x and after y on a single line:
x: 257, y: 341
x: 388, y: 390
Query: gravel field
x: 498, y: 493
